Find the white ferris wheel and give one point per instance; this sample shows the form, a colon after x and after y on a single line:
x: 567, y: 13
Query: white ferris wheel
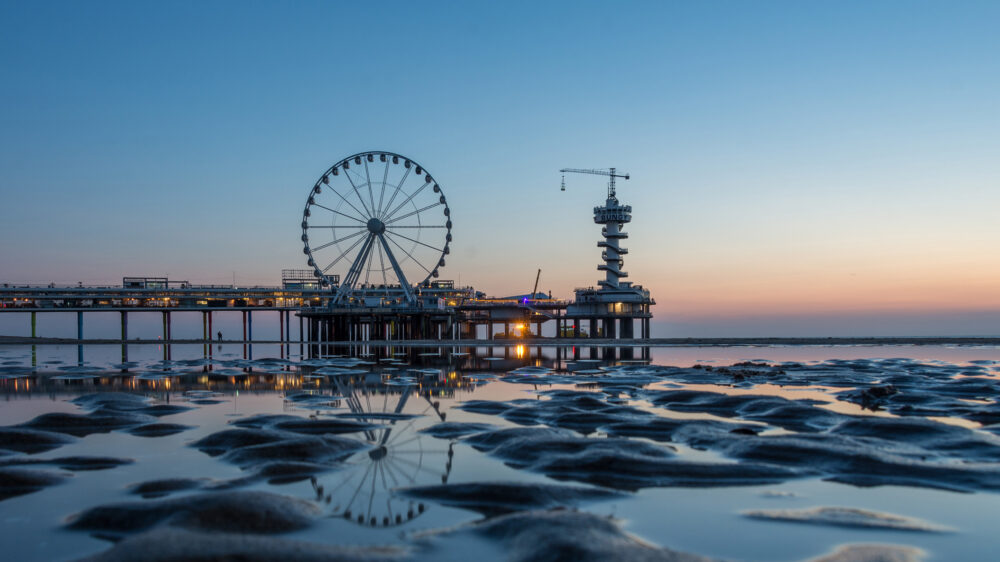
x: 375, y: 220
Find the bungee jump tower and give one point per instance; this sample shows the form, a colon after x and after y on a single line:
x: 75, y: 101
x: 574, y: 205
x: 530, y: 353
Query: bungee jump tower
x: 611, y: 310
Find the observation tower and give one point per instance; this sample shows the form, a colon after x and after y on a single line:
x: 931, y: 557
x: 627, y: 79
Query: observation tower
x: 612, y: 309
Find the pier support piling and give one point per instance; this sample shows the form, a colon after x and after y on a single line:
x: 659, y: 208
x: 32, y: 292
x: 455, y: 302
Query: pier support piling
x: 244, y: 314
x: 79, y: 336
x: 124, y: 317
x: 206, y: 343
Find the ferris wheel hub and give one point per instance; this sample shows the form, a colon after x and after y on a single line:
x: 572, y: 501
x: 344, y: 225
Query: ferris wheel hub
x: 376, y: 226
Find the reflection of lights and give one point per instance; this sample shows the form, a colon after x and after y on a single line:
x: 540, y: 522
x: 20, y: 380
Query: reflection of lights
x: 519, y: 351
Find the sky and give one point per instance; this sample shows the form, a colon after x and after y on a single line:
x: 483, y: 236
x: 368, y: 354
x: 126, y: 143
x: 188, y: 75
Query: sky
x: 797, y: 168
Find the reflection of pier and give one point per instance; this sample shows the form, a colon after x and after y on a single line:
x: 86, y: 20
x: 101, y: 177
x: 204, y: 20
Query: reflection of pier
x: 485, y: 357
x: 231, y: 375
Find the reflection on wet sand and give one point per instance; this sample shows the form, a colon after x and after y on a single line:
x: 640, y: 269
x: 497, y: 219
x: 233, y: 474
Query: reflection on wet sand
x: 359, y: 440
x: 224, y: 374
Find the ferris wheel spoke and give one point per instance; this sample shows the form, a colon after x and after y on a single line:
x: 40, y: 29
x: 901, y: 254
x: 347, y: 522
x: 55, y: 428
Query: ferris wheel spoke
x: 381, y: 469
x: 385, y: 178
x: 371, y: 195
x: 371, y: 495
x: 403, y: 204
x: 333, y: 226
x: 402, y: 472
x: 356, y: 192
x: 403, y: 431
x: 406, y: 252
x: 415, y: 240
x: 346, y: 480
x: 321, y: 246
x: 371, y: 262
x: 341, y: 256
x: 399, y: 187
x: 401, y: 443
x: 417, y: 226
x: 417, y: 465
x: 337, y: 193
x: 360, y: 486
x: 411, y: 213
x: 362, y: 221
x: 392, y: 475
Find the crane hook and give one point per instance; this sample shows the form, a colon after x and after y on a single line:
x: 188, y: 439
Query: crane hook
x: 563, y: 188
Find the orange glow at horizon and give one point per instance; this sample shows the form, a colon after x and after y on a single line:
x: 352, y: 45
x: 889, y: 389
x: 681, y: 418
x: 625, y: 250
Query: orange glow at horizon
x: 892, y: 285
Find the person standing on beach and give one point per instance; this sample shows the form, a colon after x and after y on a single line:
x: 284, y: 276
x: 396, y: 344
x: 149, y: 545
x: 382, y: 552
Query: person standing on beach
x: 220, y: 335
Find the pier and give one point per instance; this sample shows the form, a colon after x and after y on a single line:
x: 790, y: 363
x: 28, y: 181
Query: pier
x: 443, y: 313
x: 375, y: 236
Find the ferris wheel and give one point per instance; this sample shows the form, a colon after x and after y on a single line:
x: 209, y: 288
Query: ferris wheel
x: 374, y: 220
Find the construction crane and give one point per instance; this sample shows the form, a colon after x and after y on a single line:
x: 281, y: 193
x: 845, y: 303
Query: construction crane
x: 610, y: 172
x: 534, y: 292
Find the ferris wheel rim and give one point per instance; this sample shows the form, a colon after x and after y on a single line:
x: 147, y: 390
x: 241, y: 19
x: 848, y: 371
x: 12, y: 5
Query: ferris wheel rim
x: 374, y: 224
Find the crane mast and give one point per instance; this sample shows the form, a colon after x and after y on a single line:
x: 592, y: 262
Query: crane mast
x: 611, y: 173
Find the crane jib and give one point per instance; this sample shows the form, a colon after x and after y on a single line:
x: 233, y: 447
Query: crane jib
x: 611, y: 173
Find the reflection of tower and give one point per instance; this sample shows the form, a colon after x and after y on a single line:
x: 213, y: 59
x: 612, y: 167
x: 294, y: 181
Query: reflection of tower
x: 613, y: 215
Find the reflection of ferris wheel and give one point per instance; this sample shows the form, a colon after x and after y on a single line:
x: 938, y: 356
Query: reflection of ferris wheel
x: 396, y: 457
x: 376, y: 219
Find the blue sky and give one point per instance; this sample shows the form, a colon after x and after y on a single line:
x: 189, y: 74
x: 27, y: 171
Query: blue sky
x: 798, y: 167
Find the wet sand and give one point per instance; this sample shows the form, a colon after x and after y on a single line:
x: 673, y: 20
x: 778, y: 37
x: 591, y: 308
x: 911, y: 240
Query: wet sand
x: 410, y: 455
